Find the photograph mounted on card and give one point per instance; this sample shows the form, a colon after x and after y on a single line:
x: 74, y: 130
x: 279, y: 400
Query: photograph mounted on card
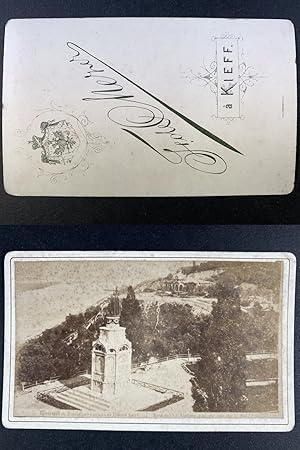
x: 149, y: 107
x: 157, y: 341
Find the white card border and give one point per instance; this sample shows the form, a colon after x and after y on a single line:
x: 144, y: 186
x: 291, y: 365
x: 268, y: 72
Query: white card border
x: 133, y: 424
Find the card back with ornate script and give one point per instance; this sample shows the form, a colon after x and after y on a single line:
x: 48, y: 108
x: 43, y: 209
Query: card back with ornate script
x: 149, y: 107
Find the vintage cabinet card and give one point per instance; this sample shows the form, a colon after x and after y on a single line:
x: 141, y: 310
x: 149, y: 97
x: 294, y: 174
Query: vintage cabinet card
x: 149, y: 107
x: 183, y: 341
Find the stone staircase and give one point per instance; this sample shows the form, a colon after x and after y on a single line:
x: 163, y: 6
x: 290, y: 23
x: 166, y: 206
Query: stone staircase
x: 82, y: 399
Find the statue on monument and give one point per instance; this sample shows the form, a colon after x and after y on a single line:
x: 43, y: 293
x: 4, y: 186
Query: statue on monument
x: 111, y: 354
x: 114, y: 307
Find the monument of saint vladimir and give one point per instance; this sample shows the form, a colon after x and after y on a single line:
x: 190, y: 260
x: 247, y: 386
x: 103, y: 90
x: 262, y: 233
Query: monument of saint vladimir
x: 111, y: 355
x: 110, y: 388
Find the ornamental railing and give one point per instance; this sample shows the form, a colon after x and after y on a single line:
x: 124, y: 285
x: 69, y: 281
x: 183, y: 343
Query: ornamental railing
x: 157, y: 388
x: 32, y: 384
x: 187, y: 356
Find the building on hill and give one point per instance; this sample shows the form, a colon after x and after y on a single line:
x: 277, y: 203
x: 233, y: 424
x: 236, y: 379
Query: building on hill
x: 195, y: 283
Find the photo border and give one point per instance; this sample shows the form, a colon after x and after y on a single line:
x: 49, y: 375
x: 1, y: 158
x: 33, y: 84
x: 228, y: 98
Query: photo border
x: 286, y: 423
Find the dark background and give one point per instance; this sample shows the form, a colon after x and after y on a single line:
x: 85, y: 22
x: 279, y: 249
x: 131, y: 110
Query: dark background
x: 254, y: 209
x: 251, y: 210
x: 223, y: 238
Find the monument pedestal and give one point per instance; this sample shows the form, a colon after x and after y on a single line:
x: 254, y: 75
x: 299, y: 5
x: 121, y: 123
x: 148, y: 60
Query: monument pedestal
x: 111, y: 360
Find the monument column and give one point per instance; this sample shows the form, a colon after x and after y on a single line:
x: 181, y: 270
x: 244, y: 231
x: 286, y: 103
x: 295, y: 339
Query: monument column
x: 111, y: 358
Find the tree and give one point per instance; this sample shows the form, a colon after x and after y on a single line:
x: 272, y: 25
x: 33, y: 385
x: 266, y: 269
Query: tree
x: 131, y: 318
x: 34, y: 362
x: 48, y: 354
x: 220, y: 382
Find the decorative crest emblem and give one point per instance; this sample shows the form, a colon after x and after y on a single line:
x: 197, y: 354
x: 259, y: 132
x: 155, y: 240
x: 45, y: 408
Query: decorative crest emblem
x: 58, y: 143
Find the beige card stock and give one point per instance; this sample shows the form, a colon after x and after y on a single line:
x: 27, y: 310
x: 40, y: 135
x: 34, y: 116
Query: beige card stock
x: 188, y: 341
x: 149, y: 107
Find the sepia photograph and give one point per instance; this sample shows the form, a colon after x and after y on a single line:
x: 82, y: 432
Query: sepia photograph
x: 153, y: 338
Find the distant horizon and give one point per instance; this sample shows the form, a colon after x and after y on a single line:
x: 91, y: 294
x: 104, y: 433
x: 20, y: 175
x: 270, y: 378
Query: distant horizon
x: 48, y: 291
x: 63, y: 271
x: 84, y: 285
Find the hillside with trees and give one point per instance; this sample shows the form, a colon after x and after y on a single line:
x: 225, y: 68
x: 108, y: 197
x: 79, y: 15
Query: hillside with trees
x: 222, y: 338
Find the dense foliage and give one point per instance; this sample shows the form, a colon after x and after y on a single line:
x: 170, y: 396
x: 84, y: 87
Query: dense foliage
x: 220, y: 380
x: 48, y: 355
x: 263, y: 275
x: 220, y: 376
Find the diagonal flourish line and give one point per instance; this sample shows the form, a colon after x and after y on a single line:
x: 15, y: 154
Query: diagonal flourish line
x: 174, y: 111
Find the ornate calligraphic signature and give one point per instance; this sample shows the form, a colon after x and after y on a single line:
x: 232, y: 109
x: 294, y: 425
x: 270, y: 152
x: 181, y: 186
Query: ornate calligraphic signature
x: 113, y: 90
